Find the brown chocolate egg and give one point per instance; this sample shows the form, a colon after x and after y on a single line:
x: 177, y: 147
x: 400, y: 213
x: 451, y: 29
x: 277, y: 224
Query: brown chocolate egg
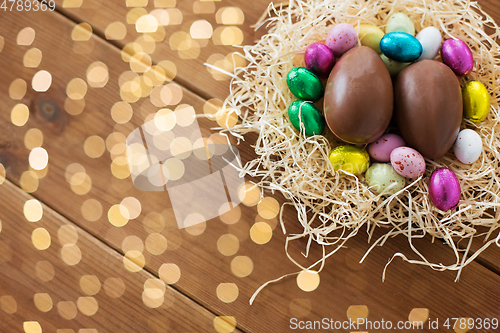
x: 359, y: 97
x: 428, y: 107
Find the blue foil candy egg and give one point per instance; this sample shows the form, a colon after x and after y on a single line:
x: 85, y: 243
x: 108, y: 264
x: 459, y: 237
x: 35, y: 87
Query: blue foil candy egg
x: 401, y: 46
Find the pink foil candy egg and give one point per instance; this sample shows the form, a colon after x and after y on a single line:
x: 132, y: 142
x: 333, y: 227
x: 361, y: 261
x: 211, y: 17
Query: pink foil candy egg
x: 444, y: 189
x: 319, y: 59
x: 341, y: 38
x: 457, y: 55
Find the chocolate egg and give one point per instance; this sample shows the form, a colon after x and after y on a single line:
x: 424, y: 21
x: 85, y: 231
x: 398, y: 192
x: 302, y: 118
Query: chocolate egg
x: 359, y: 100
x: 428, y: 107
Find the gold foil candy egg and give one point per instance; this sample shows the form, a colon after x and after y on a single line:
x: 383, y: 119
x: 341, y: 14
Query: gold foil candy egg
x: 476, y: 101
x: 349, y: 159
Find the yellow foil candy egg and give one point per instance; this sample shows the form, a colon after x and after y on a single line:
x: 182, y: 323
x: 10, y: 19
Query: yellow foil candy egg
x: 476, y: 101
x: 370, y: 35
x: 349, y: 159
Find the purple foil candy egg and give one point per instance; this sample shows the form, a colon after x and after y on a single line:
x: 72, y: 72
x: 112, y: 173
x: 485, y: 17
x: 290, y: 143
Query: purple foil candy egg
x: 319, y: 59
x: 457, y: 55
x: 444, y: 189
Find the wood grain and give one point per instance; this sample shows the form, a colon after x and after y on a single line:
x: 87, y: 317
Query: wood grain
x: 26, y: 272
x: 343, y: 282
x: 191, y: 73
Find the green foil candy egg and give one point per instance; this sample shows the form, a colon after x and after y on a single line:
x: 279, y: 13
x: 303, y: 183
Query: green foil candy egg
x: 350, y: 159
x: 304, y: 84
x: 476, y: 101
x: 310, y: 118
x: 382, y: 178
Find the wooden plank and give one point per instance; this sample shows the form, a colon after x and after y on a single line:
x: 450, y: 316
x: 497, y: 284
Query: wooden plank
x: 56, y: 275
x: 191, y: 56
x: 202, y: 268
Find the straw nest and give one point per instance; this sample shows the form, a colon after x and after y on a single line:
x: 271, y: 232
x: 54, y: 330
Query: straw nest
x: 333, y: 207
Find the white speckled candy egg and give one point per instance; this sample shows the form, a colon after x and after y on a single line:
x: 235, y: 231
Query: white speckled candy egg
x: 430, y: 38
x: 408, y: 162
x: 382, y: 178
x: 468, y: 146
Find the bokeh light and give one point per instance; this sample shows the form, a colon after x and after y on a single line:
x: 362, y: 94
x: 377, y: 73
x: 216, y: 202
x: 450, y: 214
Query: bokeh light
x: 249, y: 194
x: 43, y: 302
x: 19, y: 114
x: 94, y: 146
x: 38, y: 158
x: 40, y: 238
x: 17, y: 89
x: 261, y: 233
x: 227, y: 292
x: 114, y: 287
x: 146, y: 23
x: 201, y: 29
x: 228, y: 244
x: 357, y: 312
x: 32, y: 58
x: 156, y: 244
x: 41, y: 81
x: 26, y: 36
x: 67, y: 234
x: 29, y: 181
x: 97, y: 74
x: 67, y: 310
x: 115, y: 31
x: 33, y: 138
x: 81, y: 32
x: 71, y: 254
x: 32, y: 327
x: 225, y: 324
x: 87, y: 305
x: 76, y: 89
x: 90, y: 285
x: 418, y: 315
x: 115, y: 217
x: 33, y: 210
x: 44, y: 271
x: 169, y: 273
x: 308, y: 280
x: 242, y: 266
x: 74, y: 107
x: 133, y: 261
x: 8, y: 304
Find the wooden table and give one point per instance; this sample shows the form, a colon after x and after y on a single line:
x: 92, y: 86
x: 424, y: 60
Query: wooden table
x: 71, y: 262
